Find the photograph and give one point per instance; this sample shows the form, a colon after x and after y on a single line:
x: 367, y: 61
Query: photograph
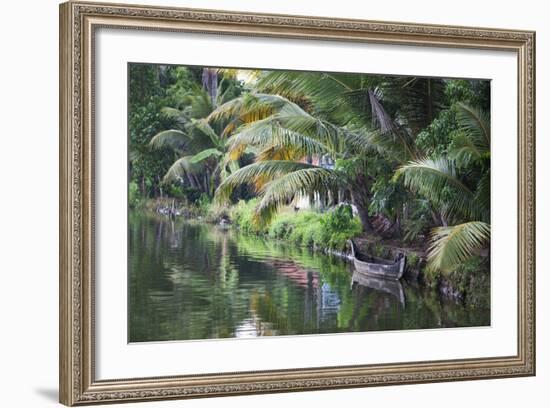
x: 269, y: 201
x: 282, y: 203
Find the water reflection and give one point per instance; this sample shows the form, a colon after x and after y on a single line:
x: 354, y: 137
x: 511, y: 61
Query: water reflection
x: 394, y: 288
x: 197, y: 281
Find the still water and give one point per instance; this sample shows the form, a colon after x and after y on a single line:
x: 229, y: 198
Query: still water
x: 197, y: 281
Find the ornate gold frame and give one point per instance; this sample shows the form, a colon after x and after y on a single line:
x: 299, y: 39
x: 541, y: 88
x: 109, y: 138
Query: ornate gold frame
x: 78, y: 21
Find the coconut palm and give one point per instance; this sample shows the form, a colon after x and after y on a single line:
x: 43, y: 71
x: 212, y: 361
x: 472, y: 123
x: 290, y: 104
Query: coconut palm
x: 283, y: 135
x: 459, y: 183
x: 315, y: 114
x: 399, y: 107
x: 198, y: 143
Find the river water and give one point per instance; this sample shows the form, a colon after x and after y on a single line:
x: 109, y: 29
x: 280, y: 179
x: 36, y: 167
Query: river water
x: 198, y: 281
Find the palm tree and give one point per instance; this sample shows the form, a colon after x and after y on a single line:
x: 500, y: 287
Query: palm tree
x: 398, y: 107
x: 198, y: 143
x: 313, y: 114
x: 283, y: 135
x: 459, y: 183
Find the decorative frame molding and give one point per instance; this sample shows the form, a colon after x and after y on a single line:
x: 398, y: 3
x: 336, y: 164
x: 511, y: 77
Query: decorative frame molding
x: 78, y: 21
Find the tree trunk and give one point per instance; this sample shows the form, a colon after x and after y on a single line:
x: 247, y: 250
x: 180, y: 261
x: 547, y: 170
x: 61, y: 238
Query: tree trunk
x: 191, y: 180
x: 210, y: 83
x: 142, y: 186
x: 364, y: 217
x: 361, y: 203
x: 160, y: 186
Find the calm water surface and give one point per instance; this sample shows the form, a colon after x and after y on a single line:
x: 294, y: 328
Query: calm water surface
x: 197, y: 281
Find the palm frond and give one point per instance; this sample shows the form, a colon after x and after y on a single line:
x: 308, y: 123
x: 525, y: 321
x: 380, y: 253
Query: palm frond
x: 476, y: 126
x: 294, y: 128
x: 180, y: 167
x: 464, y: 150
x: 395, y: 145
x: 483, y: 194
x: 451, y: 246
x: 281, y: 191
x: 417, y: 99
x: 270, y: 118
x: 380, y: 117
x: 270, y: 133
x: 349, y: 102
x: 257, y: 174
x: 274, y: 152
x: 205, y: 154
x: 435, y: 179
x: 321, y: 87
x: 172, y: 113
x: 203, y: 126
x: 248, y: 108
x: 342, y: 98
x: 200, y: 101
x: 227, y: 110
x: 227, y: 166
x: 174, y: 138
x: 471, y: 142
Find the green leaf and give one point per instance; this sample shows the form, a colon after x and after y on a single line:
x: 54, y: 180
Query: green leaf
x: 172, y: 113
x: 476, y: 124
x: 173, y: 138
x: 451, y: 246
x: 282, y: 190
x: 433, y: 178
x: 205, y: 154
x: 257, y: 174
x: 180, y: 167
x: 203, y: 126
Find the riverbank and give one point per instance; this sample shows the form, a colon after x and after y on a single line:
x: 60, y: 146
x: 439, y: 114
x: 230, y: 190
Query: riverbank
x: 328, y: 233
x: 169, y: 206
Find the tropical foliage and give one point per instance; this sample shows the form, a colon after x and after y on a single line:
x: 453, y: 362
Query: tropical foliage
x: 459, y: 184
x: 328, y: 230
x: 199, y: 144
x: 411, y: 154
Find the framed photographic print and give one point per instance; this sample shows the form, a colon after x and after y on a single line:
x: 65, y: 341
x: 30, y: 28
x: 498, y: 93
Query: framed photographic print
x: 263, y: 203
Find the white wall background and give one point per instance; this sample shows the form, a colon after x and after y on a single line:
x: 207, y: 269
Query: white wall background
x: 29, y: 191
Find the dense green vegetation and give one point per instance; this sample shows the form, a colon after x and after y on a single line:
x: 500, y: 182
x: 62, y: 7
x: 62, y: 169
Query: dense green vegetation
x: 328, y: 230
x: 279, y: 152
x: 173, y: 149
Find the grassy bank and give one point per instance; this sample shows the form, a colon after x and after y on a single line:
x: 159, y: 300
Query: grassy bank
x: 329, y: 230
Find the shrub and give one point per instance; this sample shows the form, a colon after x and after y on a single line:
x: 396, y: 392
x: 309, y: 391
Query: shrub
x: 413, y: 260
x: 242, y: 215
x: 203, y: 203
x: 337, y: 226
x: 134, y: 196
x: 304, y: 228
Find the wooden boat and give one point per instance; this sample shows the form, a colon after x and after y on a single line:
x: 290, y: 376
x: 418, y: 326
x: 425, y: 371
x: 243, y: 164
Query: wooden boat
x: 378, y: 267
x: 392, y: 287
